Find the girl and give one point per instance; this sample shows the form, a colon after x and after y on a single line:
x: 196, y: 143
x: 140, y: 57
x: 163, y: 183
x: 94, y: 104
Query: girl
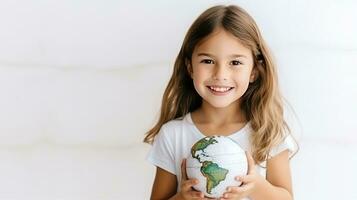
x: 224, y: 83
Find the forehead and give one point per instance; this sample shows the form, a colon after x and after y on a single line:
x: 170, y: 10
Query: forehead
x: 221, y: 43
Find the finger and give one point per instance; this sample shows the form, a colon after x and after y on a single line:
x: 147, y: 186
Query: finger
x: 183, y: 170
x: 242, y: 189
x: 232, y: 189
x: 198, y: 195
x: 188, y: 184
x: 246, y: 188
x: 230, y: 195
x: 234, y: 192
x: 230, y: 192
x: 251, y: 163
x: 245, y: 179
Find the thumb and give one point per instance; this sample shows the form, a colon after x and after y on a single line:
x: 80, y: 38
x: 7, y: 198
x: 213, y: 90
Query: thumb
x: 251, y: 163
x: 183, y: 170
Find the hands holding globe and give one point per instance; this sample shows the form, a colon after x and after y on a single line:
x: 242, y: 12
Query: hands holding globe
x: 218, y: 168
x: 249, y: 183
x: 187, y: 192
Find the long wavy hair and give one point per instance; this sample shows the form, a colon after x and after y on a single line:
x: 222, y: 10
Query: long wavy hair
x: 262, y: 102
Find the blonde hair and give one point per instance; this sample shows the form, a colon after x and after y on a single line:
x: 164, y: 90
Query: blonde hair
x: 262, y: 102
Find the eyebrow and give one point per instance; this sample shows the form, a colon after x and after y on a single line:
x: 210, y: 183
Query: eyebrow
x: 231, y: 56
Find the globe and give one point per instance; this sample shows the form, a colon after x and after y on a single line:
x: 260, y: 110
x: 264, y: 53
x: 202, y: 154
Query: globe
x: 215, y: 161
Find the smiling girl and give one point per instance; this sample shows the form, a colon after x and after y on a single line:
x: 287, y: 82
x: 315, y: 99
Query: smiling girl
x: 224, y: 82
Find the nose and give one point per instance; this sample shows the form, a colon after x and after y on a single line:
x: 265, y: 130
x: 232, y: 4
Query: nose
x: 220, y: 72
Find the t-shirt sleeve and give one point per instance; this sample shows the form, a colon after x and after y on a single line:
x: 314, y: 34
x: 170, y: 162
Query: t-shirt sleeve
x: 287, y: 144
x: 161, y: 153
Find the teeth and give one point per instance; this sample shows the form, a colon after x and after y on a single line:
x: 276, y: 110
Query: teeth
x: 219, y: 89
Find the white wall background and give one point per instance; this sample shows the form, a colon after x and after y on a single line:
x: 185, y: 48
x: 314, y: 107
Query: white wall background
x: 81, y: 81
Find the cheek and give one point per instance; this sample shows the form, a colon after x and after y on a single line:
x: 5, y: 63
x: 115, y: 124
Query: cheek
x: 199, y: 80
x: 200, y: 74
x: 242, y: 76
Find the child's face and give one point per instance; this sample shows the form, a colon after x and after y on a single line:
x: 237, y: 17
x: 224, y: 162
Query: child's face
x: 221, y: 60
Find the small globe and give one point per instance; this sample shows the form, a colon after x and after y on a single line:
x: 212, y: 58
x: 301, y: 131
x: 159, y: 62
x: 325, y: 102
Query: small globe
x: 215, y: 161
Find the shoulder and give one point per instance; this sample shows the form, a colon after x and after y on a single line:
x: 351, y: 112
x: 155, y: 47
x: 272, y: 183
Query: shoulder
x: 171, y: 128
x: 173, y: 124
x: 287, y: 143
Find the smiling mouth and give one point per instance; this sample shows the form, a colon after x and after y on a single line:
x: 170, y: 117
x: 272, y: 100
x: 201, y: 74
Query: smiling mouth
x: 219, y: 89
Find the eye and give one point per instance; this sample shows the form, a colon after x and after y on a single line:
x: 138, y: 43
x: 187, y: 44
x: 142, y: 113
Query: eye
x: 207, y: 61
x: 236, y: 62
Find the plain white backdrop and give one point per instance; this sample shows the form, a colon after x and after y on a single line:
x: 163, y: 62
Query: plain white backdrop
x: 81, y: 82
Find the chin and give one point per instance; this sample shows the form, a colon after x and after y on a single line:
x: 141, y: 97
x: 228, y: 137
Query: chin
x: 219, y: 104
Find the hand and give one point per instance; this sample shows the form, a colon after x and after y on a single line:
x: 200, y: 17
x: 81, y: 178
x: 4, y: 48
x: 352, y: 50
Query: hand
x: 250, y: 182
x: 187, y: 192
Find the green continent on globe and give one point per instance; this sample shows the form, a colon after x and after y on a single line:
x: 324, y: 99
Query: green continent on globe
x: 201, y: 145
x: 213, y: 173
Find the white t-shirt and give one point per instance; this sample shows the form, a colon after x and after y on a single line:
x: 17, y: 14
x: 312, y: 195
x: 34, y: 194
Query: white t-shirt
x: 176, y: 137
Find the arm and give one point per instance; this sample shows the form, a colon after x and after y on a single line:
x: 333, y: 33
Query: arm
x: 278, y: 184
x: 165, y: 185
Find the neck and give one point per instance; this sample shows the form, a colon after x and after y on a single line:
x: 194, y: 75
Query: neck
x: 221, y: 116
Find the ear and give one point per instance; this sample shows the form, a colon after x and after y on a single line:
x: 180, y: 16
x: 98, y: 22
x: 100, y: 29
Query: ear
x: 253, y: 75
